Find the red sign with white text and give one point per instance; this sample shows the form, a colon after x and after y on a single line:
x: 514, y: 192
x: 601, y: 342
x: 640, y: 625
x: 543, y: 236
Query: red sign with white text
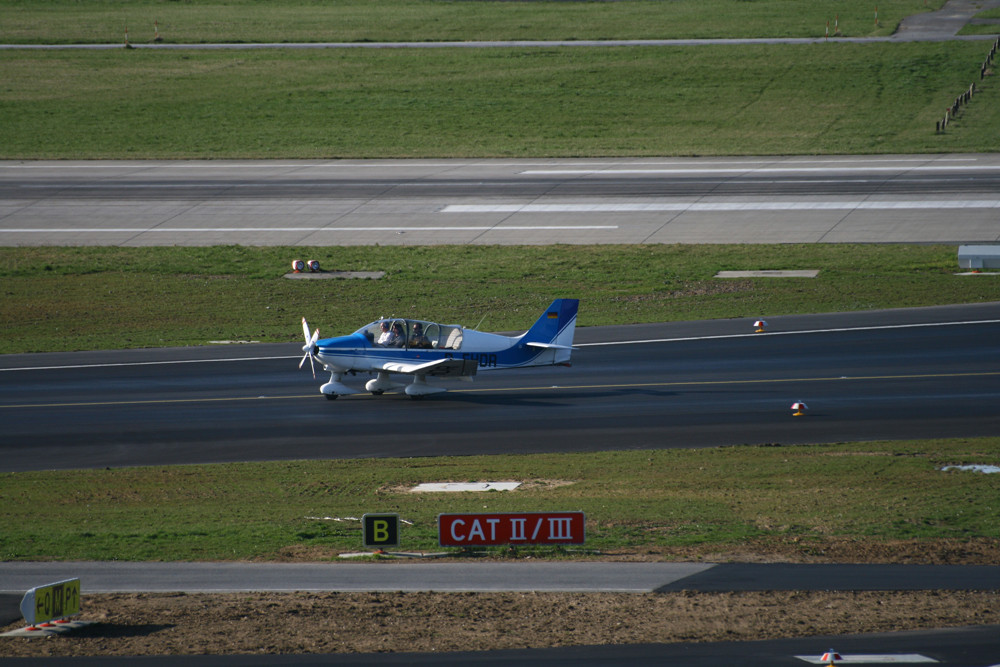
x: 489, y: 530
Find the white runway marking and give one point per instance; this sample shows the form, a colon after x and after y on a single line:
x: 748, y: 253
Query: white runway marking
x: 757, y: 170
x: 146, y: 230
x: 789, y: 333
x: 724, y: 206
x: 593, y: 167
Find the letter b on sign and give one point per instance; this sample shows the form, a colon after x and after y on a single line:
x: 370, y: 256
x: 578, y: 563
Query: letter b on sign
x: 380, y: 530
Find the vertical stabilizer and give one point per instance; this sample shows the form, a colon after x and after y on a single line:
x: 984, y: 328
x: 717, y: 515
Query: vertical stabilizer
x: 553, y: 332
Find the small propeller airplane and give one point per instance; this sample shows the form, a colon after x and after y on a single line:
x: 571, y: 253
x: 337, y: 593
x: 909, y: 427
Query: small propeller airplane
x: 421, y: 349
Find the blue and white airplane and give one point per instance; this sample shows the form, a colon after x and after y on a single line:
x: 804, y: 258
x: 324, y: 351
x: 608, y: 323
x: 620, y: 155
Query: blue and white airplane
x: 422, y: 349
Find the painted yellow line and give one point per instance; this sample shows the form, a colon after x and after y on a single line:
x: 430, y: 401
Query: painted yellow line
x: 488, y: 390
x: 165, y: 401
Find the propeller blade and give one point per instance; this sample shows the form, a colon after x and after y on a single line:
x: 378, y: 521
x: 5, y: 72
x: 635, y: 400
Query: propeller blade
x: 310, y: 347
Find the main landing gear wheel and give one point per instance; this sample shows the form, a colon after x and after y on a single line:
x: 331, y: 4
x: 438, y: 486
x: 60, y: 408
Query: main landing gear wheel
x: 330, y: 397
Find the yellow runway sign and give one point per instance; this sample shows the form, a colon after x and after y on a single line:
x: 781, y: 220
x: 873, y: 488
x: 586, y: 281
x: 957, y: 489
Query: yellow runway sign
x: 51, y: 602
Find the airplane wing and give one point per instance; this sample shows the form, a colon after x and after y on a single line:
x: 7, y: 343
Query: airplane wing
x: 437, y: 368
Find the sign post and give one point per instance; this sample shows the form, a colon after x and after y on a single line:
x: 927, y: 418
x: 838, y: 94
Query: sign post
x: 52, y: 602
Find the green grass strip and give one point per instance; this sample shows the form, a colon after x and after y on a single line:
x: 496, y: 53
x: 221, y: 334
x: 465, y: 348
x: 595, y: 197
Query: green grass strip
x: 504, y: 102
x: 57, y: 299
x: 105, y: 21
x: 634, y: 500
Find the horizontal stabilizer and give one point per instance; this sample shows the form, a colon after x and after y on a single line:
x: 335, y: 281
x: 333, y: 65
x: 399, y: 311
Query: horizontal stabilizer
x: 550, y: 346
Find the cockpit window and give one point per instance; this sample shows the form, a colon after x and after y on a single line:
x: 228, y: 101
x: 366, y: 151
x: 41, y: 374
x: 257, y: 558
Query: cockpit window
x: 450, y: 338
x: 413, y: 334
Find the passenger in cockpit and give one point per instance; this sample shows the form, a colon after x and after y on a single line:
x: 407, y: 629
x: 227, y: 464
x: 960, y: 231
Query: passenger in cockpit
x: 385, y: 337
x: 397, y: 337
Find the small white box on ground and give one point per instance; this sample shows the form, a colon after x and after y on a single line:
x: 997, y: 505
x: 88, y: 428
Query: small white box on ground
x: 979, y: 257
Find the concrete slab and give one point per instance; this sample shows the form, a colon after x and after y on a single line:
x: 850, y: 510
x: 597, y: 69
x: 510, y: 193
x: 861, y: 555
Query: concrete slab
x: 460, y: 487
x: 337, y: 275
x: 808, y: 273
x: 48, y: 629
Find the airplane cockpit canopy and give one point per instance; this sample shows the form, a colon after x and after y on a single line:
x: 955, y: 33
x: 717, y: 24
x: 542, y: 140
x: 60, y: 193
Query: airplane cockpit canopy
x: 413, y: 334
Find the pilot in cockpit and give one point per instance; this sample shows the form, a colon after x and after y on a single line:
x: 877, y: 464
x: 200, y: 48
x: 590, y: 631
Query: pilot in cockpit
x: 419, y: 339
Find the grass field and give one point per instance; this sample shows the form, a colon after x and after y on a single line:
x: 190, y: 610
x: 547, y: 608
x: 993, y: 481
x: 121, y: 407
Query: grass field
x: 104, y: 21
x: 520, y: 102
x: 104, y: 298
x: 634, y: 501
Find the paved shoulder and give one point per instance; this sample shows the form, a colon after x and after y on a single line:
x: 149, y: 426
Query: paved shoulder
x: 944, y: 23
x: 838, y: 577
x: 111, y: 577
x: 115, y: 577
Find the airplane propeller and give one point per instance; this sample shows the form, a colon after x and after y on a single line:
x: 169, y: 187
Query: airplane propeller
x: 310, y: 347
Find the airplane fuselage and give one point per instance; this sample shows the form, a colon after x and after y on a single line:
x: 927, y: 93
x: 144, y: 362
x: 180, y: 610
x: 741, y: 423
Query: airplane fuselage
x: 422, y: 349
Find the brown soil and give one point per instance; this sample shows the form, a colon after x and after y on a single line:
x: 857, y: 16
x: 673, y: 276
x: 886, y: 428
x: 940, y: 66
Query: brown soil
x: 271, y: 623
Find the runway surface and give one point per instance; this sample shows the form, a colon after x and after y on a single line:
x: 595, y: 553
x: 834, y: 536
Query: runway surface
x: 833, y: 199
x: 918, y: 373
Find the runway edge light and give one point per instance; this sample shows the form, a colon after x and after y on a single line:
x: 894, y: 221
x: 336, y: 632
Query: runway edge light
x: 760, y: 326
x: 831, y: 657
x: 799, y: 409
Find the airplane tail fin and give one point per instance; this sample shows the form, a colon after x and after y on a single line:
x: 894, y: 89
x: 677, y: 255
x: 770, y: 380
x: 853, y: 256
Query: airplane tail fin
x: 553, y: 332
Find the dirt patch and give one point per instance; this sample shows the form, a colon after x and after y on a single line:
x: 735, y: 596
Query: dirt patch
x: 177, y: 624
